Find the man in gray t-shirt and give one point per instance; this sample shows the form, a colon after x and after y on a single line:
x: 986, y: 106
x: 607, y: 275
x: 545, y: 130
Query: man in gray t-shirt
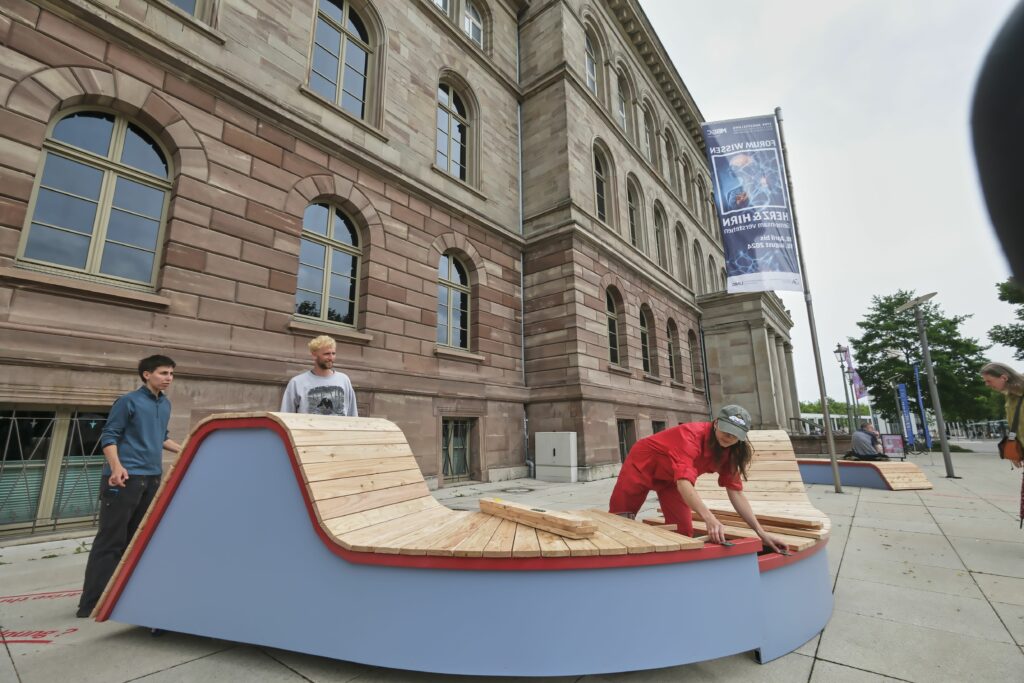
x: 321, y: 390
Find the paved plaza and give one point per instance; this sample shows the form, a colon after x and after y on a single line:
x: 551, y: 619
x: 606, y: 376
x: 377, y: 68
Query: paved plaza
x: 929, y: 586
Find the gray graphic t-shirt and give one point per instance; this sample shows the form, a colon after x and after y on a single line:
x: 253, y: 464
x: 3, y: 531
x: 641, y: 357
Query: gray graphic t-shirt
x: 309, y: 393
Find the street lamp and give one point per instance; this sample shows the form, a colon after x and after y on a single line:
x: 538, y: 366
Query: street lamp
x: 932, y: 388
x: 840, y: 352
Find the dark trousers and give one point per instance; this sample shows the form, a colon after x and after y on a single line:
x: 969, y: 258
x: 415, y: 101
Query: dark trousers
x: 121, y: 511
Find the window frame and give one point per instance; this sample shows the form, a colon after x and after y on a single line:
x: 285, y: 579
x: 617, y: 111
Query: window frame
x: 675, y: 369
x: 645, y: 342
x: 371, y: 115
x: 104, y: 200
x: 592, y: 62
x: 456, y: 89
x: 612, y: 318
x: 468, y: 22
x: 330, y: 244
x: 660, y: 246
x: 635, y: 213
x: 602, y: 183
x: 454, y: 287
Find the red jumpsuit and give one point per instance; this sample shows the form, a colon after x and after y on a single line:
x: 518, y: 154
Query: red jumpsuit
x: 657, y: 462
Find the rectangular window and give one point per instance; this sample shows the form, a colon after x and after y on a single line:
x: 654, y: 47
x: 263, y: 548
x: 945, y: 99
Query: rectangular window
x: 456, y: 455
x: 50, y: 467
x: 657, y: 426
x: 627, y: 437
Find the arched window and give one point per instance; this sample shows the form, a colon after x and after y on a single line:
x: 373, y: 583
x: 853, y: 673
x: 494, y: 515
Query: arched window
x: 725, y: 280
x: 452, y: 303
x: 712, y: 274
x: 328, y: 265
x: 453, y: 133
x: 602, y: 181
x: 473, y: 23
x: 659, y: 236
x: 699, y: 283
x: 687, y: 182
x: 592, y: 63
x: 100, y: 201
x: 443, y: 5
x: 696, y: 366
x: 623, y: 105
x: 672, y: 162
x: 612, y: 316
x: 650, y: 138
x: 702, y: 202
x: 342, y: 56
x: 675, y: 368
x: 635, y: 214
x: 682, y: 272
x: 648, y: 341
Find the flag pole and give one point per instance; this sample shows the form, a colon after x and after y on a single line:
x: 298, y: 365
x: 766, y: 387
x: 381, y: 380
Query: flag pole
x: 810, y: 314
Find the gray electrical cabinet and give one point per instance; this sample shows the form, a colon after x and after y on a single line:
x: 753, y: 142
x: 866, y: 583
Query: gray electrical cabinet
x: 555, y: 455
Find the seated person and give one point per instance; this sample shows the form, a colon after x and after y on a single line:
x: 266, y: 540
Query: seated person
x: 866, y: 444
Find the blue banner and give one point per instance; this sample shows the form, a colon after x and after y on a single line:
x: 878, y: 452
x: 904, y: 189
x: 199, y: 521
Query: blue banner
x: 754, y: 211
x: 908, y: 424
x: 920, y: 404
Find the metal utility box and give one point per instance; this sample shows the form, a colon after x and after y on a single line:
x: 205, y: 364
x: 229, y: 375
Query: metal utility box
x: 555, y: 455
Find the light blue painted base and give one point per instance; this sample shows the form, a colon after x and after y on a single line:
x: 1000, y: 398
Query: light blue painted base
x: 236, y: 557
x: 796, y: 604
x: 821, y: 473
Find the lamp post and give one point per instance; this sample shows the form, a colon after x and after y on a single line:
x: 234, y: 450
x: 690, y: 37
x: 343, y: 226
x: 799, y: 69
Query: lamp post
x: 932, y: 388
x: 840, y: 352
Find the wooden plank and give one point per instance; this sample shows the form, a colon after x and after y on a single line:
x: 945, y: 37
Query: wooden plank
x: 343, y: 469
x: 360, y: 520
x: 345, y: 452
x: 663, y: 539
x: 651, y: 522
x: 581, y: 547
x: 549, y: 520
x: 793, y: 543
x: 632, y: 543
x: 306, y: 421
x: 347, y: 505
x: 501, y: 542
x: 605, y: 544
x: 525, y: 543
x: 775, y: 520
x: 552, y: 545
x: 372, y: 539
x: 474, y: 545
x: 336, y: 488
x: 430, y: 537
x: 317, y: 437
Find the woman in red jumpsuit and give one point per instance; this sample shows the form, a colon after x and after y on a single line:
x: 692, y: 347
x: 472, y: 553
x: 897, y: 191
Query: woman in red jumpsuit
x: 669, y: 463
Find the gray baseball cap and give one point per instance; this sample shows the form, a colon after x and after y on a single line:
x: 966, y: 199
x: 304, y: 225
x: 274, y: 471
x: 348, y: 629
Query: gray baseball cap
x: 734, y: 420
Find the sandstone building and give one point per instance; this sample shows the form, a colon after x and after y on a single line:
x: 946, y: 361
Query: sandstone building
x: 499, y: 208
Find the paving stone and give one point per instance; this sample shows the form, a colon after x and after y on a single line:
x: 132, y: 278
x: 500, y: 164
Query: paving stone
x: 1013, y: 618
x: 1005, y: 589
x: 955, y: 614
x: 916, y: 653
x: 991, y: 557
x: 992, y: 530
x: 895, y: 546
x: 319, y: 669
x: 743, y: 667
x: 828, y: 672
x: 909, y: 574
x: 917, y: 526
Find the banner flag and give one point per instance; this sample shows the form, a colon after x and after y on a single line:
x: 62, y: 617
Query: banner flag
x: 908, y: 424
x: 754, y: 211
x: 920, y: 403
x: 859, y: 388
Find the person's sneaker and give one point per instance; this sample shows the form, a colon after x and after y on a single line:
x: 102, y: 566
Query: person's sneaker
x: 83, y: 612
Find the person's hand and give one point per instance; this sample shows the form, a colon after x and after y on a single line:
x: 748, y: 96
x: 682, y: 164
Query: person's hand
x: 118, y: 476
x: 716, y: 530
x: 774, y: 543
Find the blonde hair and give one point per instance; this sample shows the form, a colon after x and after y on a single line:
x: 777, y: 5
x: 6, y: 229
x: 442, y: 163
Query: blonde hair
x: 1015, y: 381
x: 321, y: 342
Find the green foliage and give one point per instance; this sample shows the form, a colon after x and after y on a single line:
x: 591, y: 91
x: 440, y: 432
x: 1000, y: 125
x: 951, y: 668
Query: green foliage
x: 835, y: 408
x: 956, y: 358
x: 1011, y: 335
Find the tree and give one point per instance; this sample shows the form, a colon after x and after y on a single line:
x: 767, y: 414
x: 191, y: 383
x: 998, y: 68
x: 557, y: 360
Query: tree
x: 956, y: 358
x: 1011, y: 335
x: 835, y: 408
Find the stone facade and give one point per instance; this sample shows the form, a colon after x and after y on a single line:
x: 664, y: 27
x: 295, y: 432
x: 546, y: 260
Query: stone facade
x: 227, y: 95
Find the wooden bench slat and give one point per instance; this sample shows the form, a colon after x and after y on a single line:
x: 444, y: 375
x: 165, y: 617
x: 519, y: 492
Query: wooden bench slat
x: 337, y: 488
x: 525, y: 543
x: 501, y: 542
x: 347, y: 505
x: 359, y: 520
x: 474, y: 545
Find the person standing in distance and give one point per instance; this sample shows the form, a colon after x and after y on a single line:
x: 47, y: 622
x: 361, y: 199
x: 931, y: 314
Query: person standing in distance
x: 133, y: 440
x: 322, y: 390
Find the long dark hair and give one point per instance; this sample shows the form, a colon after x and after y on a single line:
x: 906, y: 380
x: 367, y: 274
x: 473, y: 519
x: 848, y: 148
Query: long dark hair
x: 738, y: 455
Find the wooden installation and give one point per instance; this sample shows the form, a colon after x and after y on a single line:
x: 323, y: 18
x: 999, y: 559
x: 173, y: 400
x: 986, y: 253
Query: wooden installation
x: 891, y: 476
x: 319, y: 535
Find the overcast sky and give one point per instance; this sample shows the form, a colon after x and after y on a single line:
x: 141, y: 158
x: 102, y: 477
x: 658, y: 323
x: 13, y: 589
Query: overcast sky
x: 875, y: 96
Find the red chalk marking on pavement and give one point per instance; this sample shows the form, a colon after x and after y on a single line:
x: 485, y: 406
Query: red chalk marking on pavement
x: 52, y: 595
x: 29, y: 637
